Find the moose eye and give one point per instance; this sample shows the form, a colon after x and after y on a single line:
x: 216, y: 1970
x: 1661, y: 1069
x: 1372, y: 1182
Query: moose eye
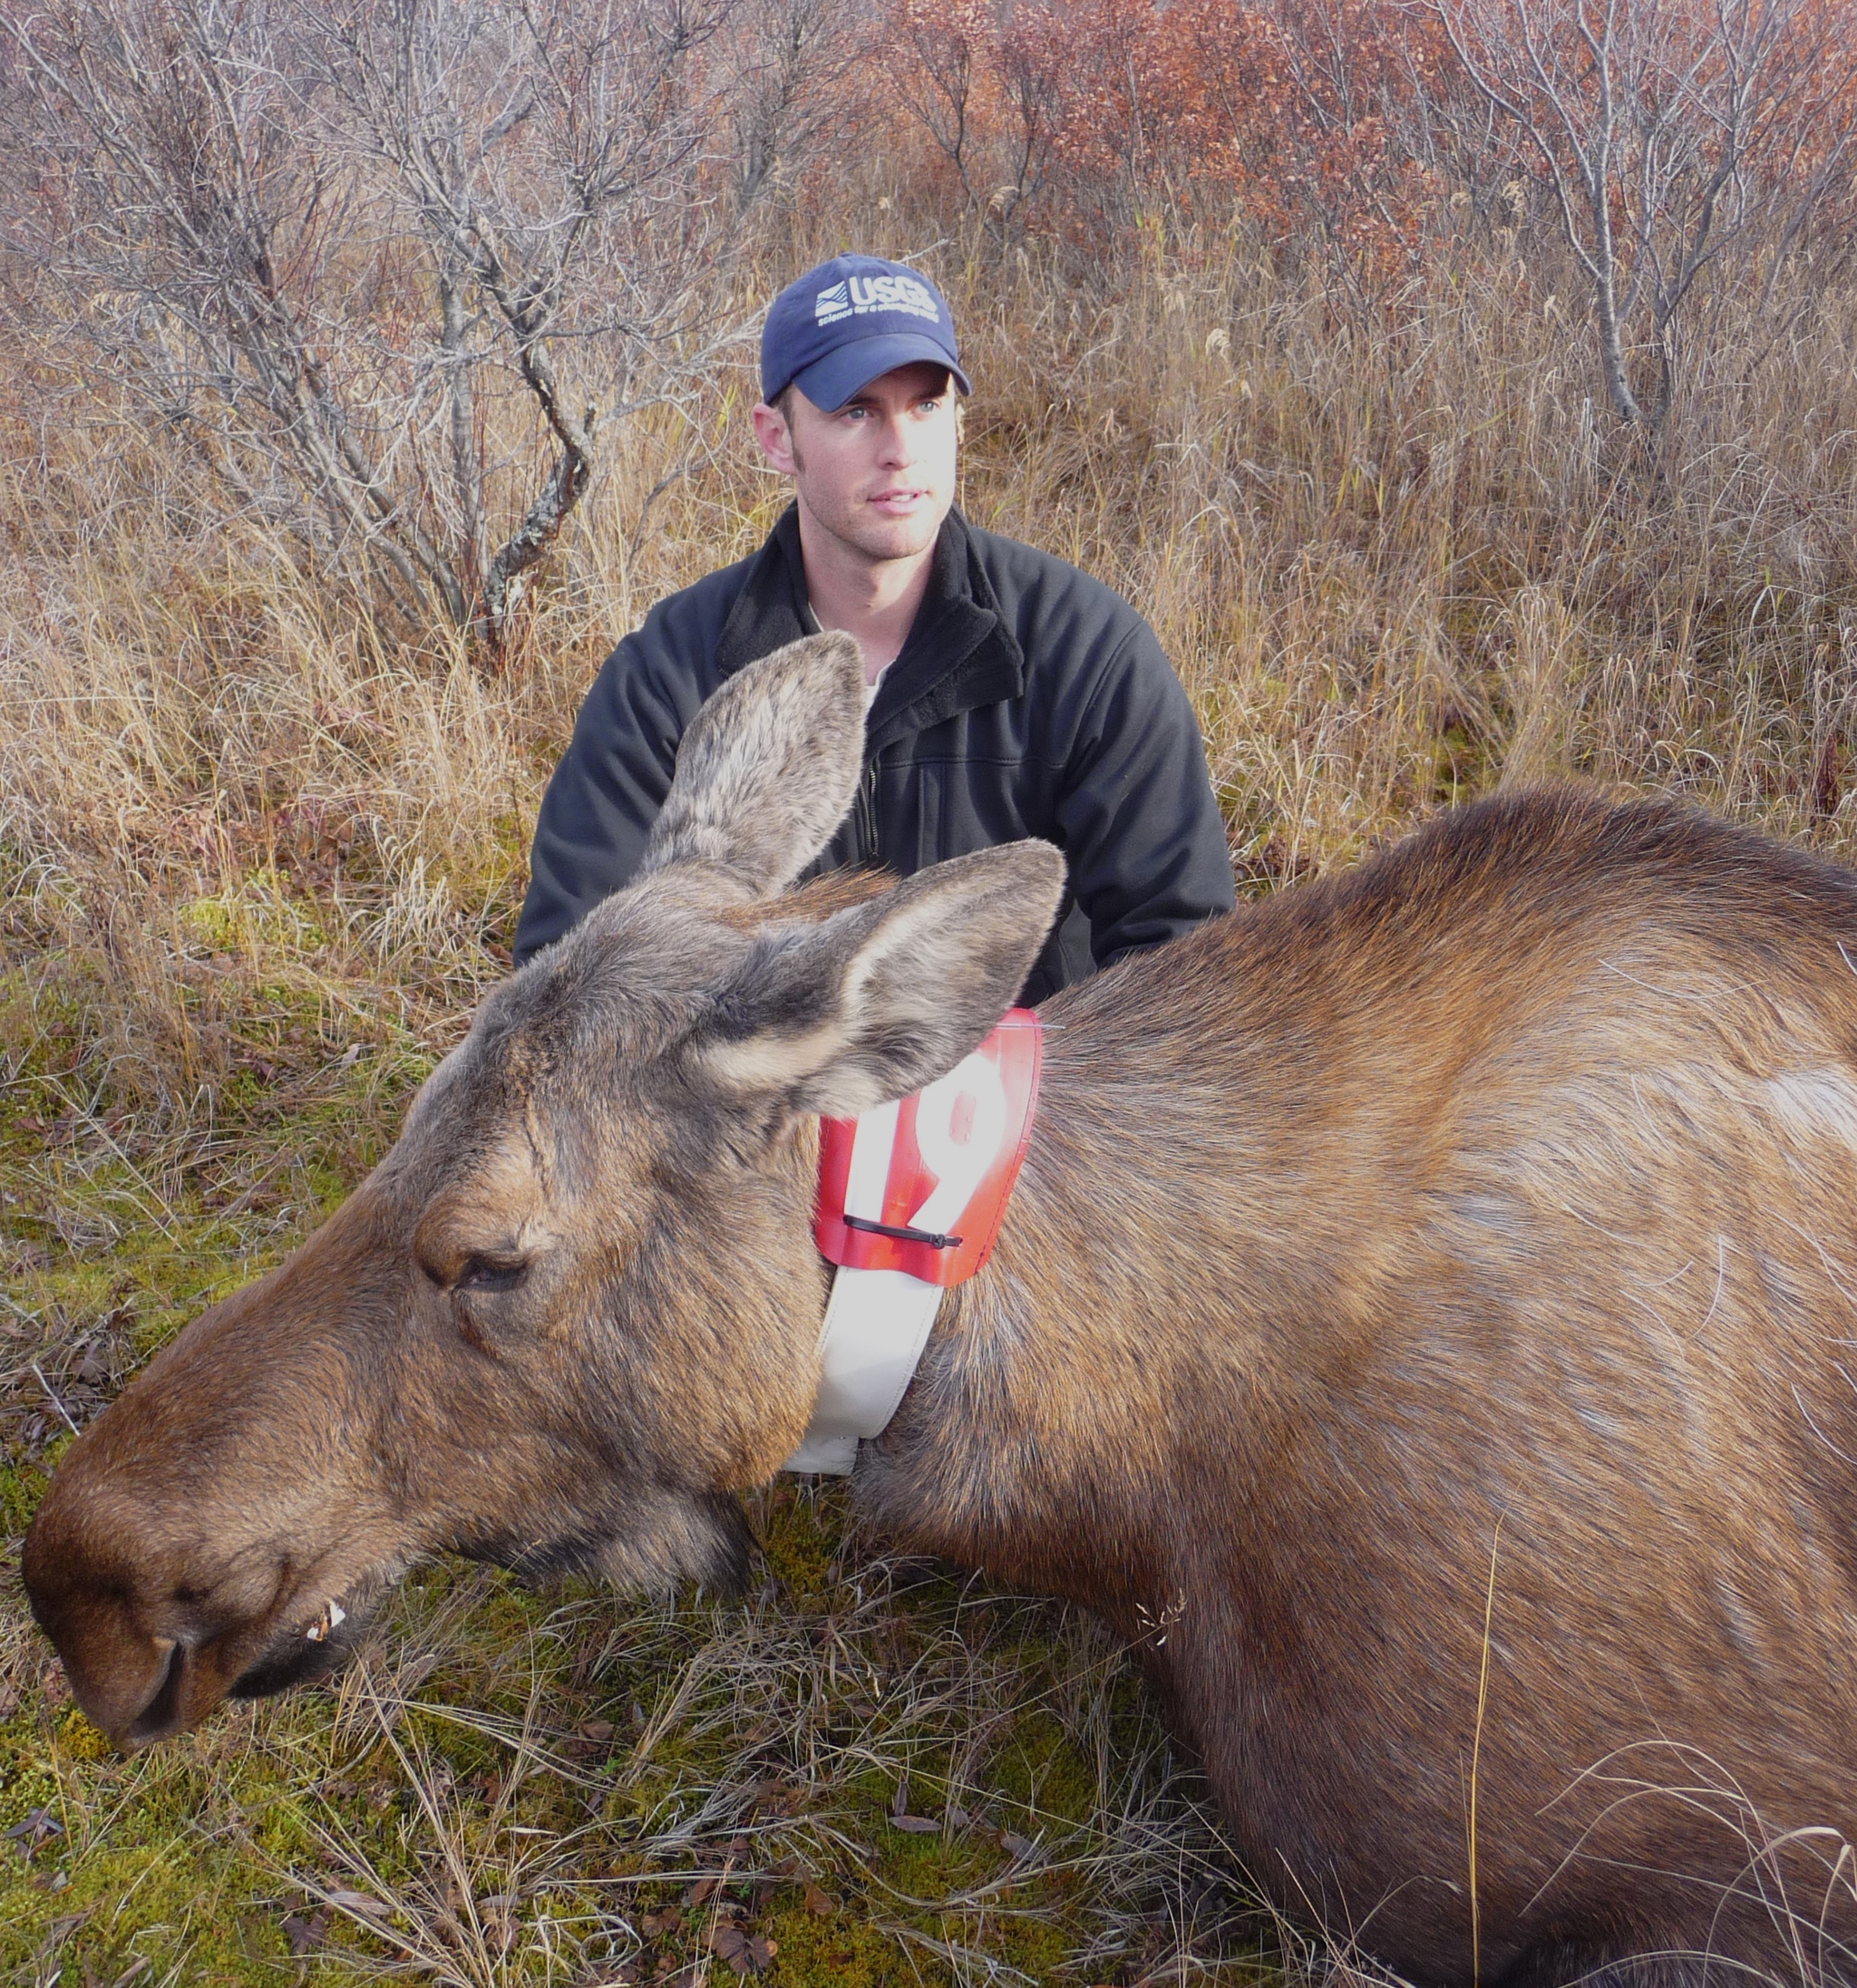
x: 490, y: 1274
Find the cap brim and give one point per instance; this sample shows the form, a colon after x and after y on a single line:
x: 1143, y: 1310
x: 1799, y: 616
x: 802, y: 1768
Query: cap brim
x: 828, y: 382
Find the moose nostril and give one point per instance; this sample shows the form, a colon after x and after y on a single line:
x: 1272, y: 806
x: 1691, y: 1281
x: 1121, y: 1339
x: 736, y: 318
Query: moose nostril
x: 161, y: 1715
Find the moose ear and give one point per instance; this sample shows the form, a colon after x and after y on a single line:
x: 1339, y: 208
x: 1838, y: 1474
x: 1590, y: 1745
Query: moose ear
x: 768, y: 767
x: 879, y: 1000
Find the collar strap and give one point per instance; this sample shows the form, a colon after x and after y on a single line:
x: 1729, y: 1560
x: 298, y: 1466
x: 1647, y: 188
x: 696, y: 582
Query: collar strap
x: 911, y: 1195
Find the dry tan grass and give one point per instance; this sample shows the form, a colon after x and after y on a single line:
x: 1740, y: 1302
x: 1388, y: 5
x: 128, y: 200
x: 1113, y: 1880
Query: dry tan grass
x: 256, y: 860
x: 1394, y: 556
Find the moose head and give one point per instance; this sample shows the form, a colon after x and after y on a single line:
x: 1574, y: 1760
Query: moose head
x: 577, y: 1308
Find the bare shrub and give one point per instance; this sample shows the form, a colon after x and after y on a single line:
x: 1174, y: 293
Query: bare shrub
x: 1674, y: 137
x: 791, y: 89
x: 992, y: 90
x: 316, y: 242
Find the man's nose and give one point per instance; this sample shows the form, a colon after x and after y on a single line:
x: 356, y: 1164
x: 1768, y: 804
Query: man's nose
x: 896, y: 444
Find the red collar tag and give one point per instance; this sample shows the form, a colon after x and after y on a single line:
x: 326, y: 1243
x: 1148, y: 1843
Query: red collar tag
x: 922, y: 1186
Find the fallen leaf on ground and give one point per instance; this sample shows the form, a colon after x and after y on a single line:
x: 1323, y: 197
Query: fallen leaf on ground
x: 305, y: 1933
x: 743, y: 1952
x: 819, y: 1902
x: 359, y: 1901
x: 916, y: 1824
x: 38, y: 1824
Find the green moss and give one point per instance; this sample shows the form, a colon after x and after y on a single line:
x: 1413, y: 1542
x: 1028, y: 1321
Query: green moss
x: 22, y: 1485
x: 839, y: 1952
x: 258, y: 917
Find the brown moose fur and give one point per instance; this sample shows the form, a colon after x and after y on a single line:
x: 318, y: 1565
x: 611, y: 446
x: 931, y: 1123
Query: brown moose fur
x: 1423, y: 1328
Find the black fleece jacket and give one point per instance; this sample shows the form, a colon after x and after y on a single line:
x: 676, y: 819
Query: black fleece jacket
x: 1028, y: 700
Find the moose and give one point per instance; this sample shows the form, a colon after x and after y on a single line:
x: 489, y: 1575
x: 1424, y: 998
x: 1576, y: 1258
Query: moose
x: 1430, y: 1292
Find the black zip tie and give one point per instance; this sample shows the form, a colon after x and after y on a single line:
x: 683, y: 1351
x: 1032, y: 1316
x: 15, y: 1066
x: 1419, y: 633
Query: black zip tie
x: 902, y: 1235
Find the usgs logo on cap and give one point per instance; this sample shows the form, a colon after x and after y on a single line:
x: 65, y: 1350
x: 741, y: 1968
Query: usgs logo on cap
x: 846, y: 321
x: 858, y: 296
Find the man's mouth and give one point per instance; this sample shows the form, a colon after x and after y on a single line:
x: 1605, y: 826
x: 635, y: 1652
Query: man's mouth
x: 898, y: 503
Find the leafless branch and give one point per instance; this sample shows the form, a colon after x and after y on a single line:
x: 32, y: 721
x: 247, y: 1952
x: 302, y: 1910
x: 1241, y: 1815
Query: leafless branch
x: 327, y: 243
x: 1672, y: 135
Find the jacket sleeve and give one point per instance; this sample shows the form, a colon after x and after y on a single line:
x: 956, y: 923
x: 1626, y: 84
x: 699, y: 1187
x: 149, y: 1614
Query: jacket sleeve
x: 608, y: 789
x: 1142, y: 834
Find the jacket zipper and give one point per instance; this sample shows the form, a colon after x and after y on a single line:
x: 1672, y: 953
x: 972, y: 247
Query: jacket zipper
x: 864, y: 819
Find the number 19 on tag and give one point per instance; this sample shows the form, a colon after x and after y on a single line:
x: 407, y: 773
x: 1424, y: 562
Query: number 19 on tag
x: 922, y: 1185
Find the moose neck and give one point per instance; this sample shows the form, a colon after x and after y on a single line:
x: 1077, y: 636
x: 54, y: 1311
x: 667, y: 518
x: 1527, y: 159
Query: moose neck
x: 1041, y: 1437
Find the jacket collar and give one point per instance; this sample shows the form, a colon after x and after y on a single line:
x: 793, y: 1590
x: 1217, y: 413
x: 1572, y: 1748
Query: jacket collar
x: 959, y: 654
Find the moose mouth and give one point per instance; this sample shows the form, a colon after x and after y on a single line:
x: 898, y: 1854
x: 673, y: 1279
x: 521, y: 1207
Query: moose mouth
x: 297, y: 1656
x: 300, y: 1657
x: 703, y: 1537
x: 294, y: 1655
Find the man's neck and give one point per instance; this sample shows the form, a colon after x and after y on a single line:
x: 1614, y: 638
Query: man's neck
x: 872, y: 600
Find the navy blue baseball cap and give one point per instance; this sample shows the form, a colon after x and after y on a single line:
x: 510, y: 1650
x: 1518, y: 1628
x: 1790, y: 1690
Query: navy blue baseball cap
x: 852, y: 318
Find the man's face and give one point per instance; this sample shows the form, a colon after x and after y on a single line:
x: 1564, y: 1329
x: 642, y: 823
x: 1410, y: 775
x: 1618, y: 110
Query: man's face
x: 878, y: 473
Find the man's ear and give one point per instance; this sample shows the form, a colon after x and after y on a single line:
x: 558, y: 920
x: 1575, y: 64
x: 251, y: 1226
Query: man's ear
x: 880, y: 999
x: 768, y: 767
x: 774, y: 432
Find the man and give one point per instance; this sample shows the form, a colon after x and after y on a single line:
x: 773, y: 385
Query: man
x: 1010, y: 694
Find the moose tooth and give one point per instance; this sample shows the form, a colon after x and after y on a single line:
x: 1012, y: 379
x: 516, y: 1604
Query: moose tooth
x: 333, y: 1615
